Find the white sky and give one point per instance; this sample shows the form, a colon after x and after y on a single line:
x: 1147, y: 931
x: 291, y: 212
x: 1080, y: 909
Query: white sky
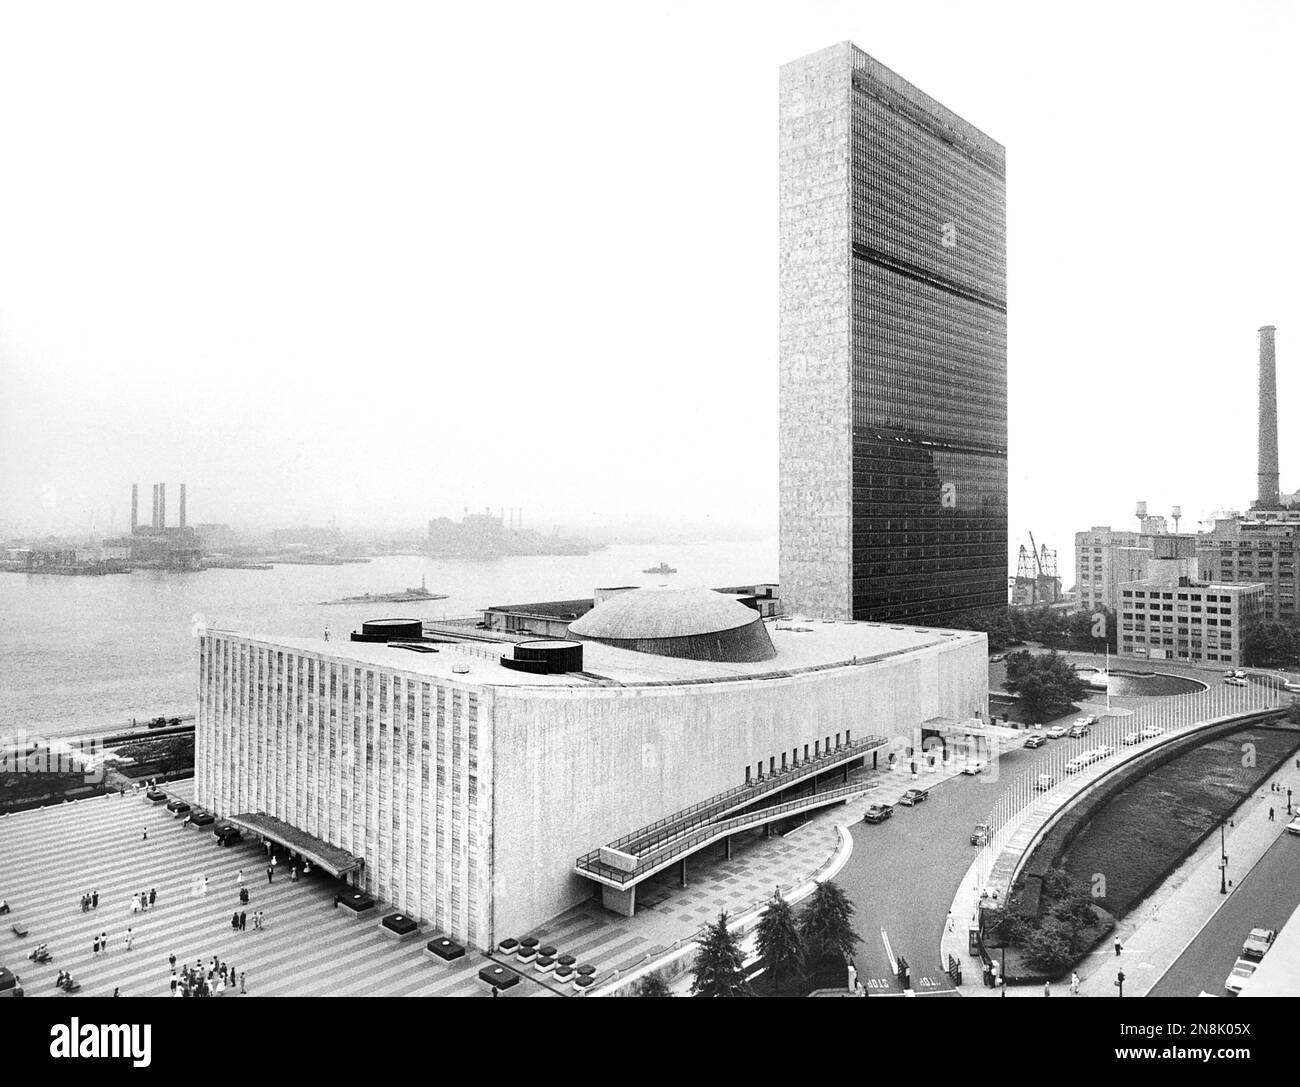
x: 257, y: 246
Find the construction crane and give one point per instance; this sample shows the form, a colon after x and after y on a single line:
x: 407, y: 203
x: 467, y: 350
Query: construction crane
x: 1037, y: 581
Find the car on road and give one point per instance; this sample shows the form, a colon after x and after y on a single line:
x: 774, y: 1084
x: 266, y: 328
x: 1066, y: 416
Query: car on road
x: 1075, y: 764
x: 1056, y: 732
x: 877, y: 813
x: 1151, y: 732
x: 1289, y: 686
x: 1293, y: 827
x: 1258, y: 943
x: 914, y: 796
x: 975, y: 766
x: 1078, y: 732
x: 1242, y: 972
x: 980, y: 835
x: 1044, y: 782
x: 1235, y: 673
x: 1131, y: 738
x: 1104, y: 751
x: 1235, y: 681
x: 1036, y: 740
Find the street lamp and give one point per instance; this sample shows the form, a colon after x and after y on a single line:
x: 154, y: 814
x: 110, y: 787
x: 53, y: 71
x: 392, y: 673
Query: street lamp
x: 1119, y: 982
x: 1223, y: 863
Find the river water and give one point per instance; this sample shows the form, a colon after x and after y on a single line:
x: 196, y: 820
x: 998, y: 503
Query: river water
x: 82, y: 652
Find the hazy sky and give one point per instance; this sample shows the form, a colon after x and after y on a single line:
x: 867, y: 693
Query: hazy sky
x: 382, y: 261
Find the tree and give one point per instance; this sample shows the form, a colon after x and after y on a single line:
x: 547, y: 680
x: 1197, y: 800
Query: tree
x: 1293, y: 711
x: 654, y: 985
x: 779, y: 944
x: 720, y: 964
x: 826, y: 924
x: 1051, y: 946
x: 1046, y: 684
x: 1269, y: 643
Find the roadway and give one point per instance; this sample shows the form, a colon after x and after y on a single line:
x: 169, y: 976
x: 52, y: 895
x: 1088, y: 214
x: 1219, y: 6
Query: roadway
x: 1266, y: 898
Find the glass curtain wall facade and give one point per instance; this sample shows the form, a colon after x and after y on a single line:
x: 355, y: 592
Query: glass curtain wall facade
x: 928, y: 358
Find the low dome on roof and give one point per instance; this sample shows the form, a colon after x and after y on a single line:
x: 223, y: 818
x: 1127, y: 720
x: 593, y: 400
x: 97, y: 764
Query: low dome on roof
x: 682, y: 622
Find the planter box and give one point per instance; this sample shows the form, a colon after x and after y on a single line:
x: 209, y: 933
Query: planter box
x: 499, y: 977
x: 529, y: 941
x: 399, y: 926
x: 156, y: 796
x: 582, y: 983
x: 526, y: 954
x: 544, y: 964
x: 508, y: 946
x: 585, y: 970
x: 567, y: 960
x: 444, y: 950
x: 546, y: 951
x: 357, y: 905
x: 564, y: 973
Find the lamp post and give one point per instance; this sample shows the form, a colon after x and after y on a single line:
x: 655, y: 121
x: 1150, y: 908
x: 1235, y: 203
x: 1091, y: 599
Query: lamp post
x: 1223, y: 863
x: 1119, y: 982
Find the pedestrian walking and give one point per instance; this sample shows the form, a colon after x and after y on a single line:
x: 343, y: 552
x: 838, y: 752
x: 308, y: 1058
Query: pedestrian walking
x: 1155, y: 912
x: 234, y: 922
x: 103, y: 942
x: 243, y: 920
x: 241, y: 982
x: 205, y: 884
x: 239, y: 878
x: 130, y: 939
x: 153, y: 895
x: 84, y: 900
x: 94, y: 900
x: 1047, y: 988
x: 145, y: 837
x: 1118, y: 946
x: 117, y: 990
x: 1074, y: 982
x: 270, y: 871
x: 95, y: 951
x: 174, y: 982
x: 135, y: 903
x: 171, y: 961
x: 1270, y: 815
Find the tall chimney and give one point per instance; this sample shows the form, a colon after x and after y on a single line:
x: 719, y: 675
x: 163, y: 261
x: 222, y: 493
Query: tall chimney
x: 154, y: 521
x: 182, y: 505
x: 162, y: 505
x: 135, y: 505
x: 1269, y: 494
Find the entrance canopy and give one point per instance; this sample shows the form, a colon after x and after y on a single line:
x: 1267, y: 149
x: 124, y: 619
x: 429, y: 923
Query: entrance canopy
x: 337, y: 862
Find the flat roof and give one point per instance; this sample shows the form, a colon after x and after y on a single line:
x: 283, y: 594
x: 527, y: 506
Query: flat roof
x: 801, y: 646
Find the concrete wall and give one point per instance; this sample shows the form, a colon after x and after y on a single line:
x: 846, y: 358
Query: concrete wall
x: 380, y: 762
x: 815, y: 406
x: 577, y: 768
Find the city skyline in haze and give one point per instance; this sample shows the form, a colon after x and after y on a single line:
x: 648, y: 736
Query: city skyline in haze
x: 382, y: 269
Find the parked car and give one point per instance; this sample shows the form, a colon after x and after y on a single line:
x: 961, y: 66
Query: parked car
x: 1293, y: 827
x: 1044, y: 782
x: 1036, y: 740
x: 974, y: 766
x: 1235, y: 681
x: 1241, y: 973
x: 1056, y: 732
x: 1151, y: 732
x: 914, y: 796
x: 1075, y: 765
x: 980, y: 835
x: 877, y: 813
x: 997, y: 658
x: 1088, y: 721
x: 1078, y: 732
x: 1258, y: 943
x: 177, y: 806
x: 1104, y: 751
x: 1131, y: 738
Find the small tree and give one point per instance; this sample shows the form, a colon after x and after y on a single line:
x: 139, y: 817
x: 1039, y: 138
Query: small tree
x: 720, y: 964
x: 779, y: 944
x: 1051, y: 946
x: 654, y: 985
x: 826, y: 924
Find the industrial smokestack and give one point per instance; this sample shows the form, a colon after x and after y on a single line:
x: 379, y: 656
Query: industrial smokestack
x: 162, y: 505
x: 1269, y: 492
x: 135, y: 505
x: 182, y: 505
x: 154, y: 521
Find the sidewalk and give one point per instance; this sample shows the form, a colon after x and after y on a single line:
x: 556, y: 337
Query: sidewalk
x: 1162, y: 926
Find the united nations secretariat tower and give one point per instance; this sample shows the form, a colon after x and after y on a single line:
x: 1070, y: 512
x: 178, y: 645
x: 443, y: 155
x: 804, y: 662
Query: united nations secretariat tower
x: 893, y: 349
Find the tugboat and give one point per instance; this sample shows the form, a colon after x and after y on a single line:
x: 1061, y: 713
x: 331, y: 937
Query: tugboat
x: 662, y: 568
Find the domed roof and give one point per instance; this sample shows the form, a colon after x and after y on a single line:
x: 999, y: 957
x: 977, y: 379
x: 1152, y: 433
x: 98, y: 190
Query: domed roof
x: 663, y: 612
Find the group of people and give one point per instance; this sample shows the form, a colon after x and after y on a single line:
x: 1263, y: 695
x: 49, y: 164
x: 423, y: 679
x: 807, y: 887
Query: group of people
x: 90, y: 901
x: 239, y: 919
x: 100, y: 944
x: 197, y: 981
x: 142, y: 901
x: 65, y: 982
